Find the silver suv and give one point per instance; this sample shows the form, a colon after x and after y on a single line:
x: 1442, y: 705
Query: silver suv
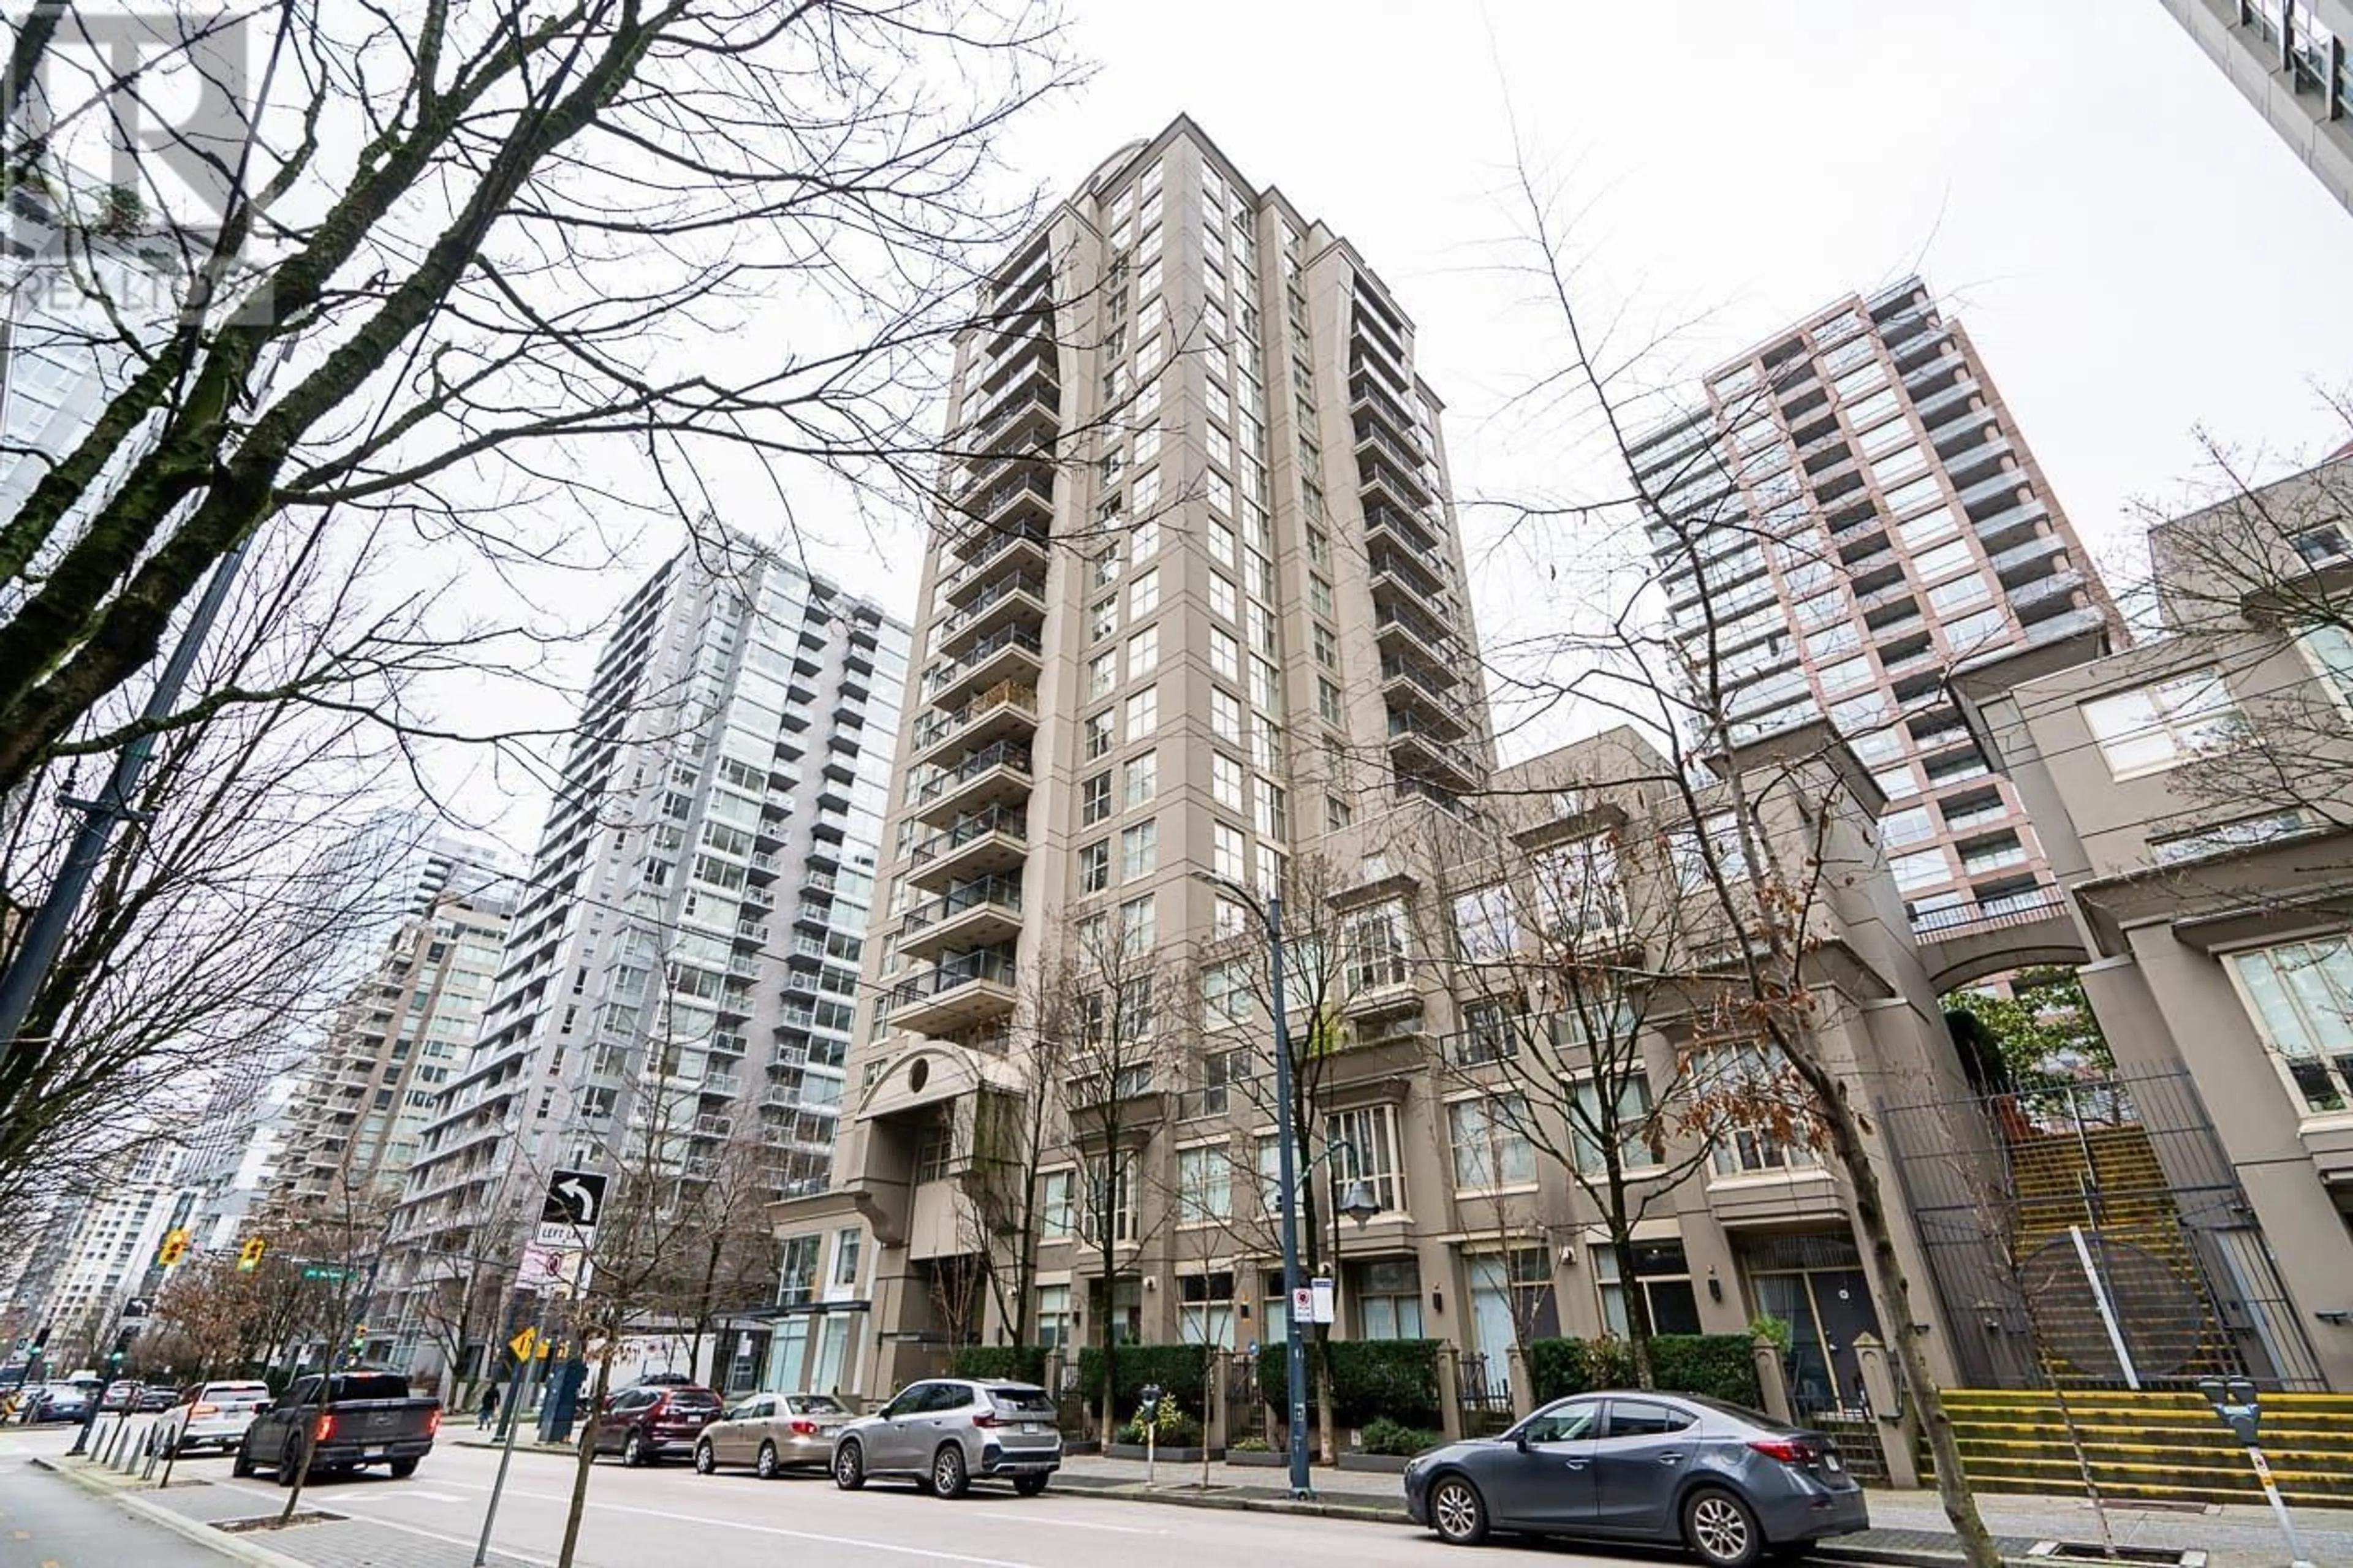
x: 945, y: 1433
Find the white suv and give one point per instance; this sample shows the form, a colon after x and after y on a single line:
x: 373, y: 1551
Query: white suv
x: 208, y: 1416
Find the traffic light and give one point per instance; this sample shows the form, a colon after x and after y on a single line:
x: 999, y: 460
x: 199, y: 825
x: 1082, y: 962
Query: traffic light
x: 175, y: 1248
x: 248, y: 1256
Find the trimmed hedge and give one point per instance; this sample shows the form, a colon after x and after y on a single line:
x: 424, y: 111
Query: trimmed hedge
x: 1721, y: 1366
x: 1181, y: 1371
x: 1370, y: 1379
x: 1014, y: 1364
x: 1383, y: 1435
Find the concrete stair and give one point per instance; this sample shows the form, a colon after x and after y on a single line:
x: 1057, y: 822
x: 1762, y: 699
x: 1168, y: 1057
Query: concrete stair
x: 2152, y: 1446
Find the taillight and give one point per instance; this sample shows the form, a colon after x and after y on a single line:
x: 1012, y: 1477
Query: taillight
x: 326, y: 1427
x: 205, y: 1410
x: 804, y: 1428
x: 433, y: 1421
x: 1788, y: 1450
x: 986, y: 1418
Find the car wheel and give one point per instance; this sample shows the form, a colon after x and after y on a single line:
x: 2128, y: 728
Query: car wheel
x: 289, y: 1461
x: 766, y: 1466
x: 1029, y: 1485
x: 949, y: 1479
x: 1458, y: 1512
x: 240, y: 1463
x: 848, y: 1466
x: 401, y: 1468
x: 633, y: 1449
x: 1721, y: 1529
x: 705, y: 1461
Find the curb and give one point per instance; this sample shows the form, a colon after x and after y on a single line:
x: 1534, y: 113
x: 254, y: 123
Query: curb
x: 179, y: 1524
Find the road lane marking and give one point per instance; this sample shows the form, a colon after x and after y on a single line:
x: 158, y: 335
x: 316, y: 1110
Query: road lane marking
x: 887, y: 1546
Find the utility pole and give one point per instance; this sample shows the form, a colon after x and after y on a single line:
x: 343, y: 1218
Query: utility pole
x: 1294, y: 1349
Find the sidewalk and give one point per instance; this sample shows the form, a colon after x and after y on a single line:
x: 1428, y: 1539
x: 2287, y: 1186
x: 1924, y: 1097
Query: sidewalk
x: 1908, y: 1526
x: 329, y: 1538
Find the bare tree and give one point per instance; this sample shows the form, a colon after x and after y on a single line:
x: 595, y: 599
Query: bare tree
x: 1019, y: 1121
x: 724, y: 1249
x: 485, y: 257
x: 1758, y: 827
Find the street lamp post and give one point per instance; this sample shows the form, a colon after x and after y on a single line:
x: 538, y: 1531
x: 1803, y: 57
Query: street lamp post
x: 1294, y: 1349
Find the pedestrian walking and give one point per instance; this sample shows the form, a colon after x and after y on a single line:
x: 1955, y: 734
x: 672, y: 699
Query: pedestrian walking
x: 489, y: 1410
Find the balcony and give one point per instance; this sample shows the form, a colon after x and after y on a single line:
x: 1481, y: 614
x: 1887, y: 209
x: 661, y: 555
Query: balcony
x: 1031, y: 416
x: 2034, y: 550
x: 1414, y: 534
x: 995, y: 774
x: 970, y: 989
x: 1368, y: 399
x: 1420, y: 752
x: 1006, y: 601
x: 1378, y: 456
x: 2011, y: 524
x: 1987, y: 497
x: 725, y: 1085
x: 1006, y: 709
x: 997, y: 839
x: 997, y: 548
x: 1404, y: 632
x: 981, y: 913
x: 1017, y: 650
x: 1380, y: 487
x: 1409, y: 685
x: 1394, y: 570
x: 2046, y: 596
x: 1940, y: 410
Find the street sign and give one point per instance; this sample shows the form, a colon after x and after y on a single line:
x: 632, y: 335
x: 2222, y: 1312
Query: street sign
x: 1302, y: 1304
x: 568, y: 1213
x: 523, y: 1344
x: 1321, y: 1300
x: 335, y: 1272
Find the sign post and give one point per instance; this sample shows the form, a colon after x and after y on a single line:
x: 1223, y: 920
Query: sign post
x: 2235, y: 1402
x: 568, y: 1213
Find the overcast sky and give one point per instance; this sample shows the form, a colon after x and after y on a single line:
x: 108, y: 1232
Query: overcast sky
x: 2133, y: 250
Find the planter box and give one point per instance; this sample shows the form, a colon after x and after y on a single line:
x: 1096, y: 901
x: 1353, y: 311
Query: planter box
x: 1272, y: 1460
x: 1379, y: 1464
x: 1166, y: 1455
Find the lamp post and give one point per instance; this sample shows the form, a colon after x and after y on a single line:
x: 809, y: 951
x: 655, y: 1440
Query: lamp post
x: 1286, y: 1184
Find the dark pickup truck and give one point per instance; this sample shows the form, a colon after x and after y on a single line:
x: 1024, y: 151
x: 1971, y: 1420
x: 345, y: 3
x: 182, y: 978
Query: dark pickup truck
x: 371, y: 1419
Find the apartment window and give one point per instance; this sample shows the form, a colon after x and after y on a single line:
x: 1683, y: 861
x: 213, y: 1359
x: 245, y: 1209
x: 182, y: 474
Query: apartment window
x: 1975, y: 633
x: 1229, y: 918
x: 1106, y: 563
x: 1389, y: 1299
x: 1111, y: 1199
x: 1139, y: 850
x: 1225, y: 654
x: 1718, y: 838
x: 1375, y: 945
x: 1095, y: 867
x: 1328, y: 703
x: 1337, y: 812
x: 1919, y: 492
x: 2300, y: 995
x: 1327, y: 647
x: 1143, y: 594
x: 2161, y: 725
x: 1094, y: 799
x: 1205, y: 1184
x: 1058, y: 1205
x: 1319, y: 595
x: 1096, y: 731
x: 1920, y: 870
x: 1274, y: 819
x: 1143, y: 780
x: 1491, y: 1143
x: 1053, y: 1316
x: 797, y: 1284
x: 1907, y: 827
x: 846, y: 1244
x: 1960, y: 594
x: 1662, y: 1276
x: 1102, y: 674
x: 1225, y: 715
x: 1486, y: 923
x: 1943, y: 558
x: 1629, y: 1123
x: 1767, y: 1141
x: 1220, y: 1071
x: 1221, y: 542
x: 1142, y: 713
x: 1225, y: 782
x: 1224, y: 600
x: 935, y: 1150
x: 1225, y: 994
x: 1226, y: 853
x: 1929, y: 528
x: 2247, y: 832
x: 1139, y: 925
x: 1371, y: 1131
x: 1845, y: 674
x: 2329, y: 650
x: 1103, y: 618
x: 1266, y: 686
x: 1822, y: 609
x: 1319, y: 546
x: 1143, y: 652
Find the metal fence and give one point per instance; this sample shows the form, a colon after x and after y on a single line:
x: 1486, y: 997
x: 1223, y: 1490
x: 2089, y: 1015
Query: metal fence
x: 1246, y: 1402
x: 1483, y: 1393
x: 2093, y: 1230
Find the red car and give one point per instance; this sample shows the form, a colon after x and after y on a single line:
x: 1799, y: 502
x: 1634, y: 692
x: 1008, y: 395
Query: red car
x: 646, y: 1423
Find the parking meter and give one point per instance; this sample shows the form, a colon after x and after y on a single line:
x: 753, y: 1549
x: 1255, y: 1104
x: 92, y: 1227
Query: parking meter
x: 1151, y: 1407
x: 1149, y: 1413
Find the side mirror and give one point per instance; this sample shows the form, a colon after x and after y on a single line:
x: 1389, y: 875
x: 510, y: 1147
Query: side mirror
x: 1520, y: 1440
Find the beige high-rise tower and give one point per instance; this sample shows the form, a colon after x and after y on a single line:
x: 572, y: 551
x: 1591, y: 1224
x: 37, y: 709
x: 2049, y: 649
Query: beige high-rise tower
x: 1198, y: 608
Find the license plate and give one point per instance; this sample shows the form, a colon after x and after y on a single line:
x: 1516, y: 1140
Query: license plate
x: 1028, y: 1429
x: 1830, y: 1462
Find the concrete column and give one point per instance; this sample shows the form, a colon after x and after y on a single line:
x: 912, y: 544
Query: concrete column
x: 1450, y: 1390
x: 1215, y: 1416
x: 1772, y: 1380
x: 1887, y: 1411
x: 1524, y: 1393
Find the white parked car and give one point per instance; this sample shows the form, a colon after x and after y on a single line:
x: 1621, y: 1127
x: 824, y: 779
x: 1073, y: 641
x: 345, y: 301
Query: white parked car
x: 208, y: 1416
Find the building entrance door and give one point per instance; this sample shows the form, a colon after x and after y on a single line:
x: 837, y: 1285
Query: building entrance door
x: 1827, y: 1309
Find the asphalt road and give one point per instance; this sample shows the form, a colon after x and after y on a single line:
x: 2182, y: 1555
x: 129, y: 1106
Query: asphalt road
x: 668, y: 1517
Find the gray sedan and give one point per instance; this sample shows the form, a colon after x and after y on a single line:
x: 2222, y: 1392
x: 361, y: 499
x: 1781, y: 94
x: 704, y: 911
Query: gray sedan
x: 1734, y: 1486
x: 772, y: 1433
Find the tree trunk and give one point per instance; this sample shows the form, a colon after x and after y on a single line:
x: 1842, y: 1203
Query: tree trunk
x: 587, y: 1456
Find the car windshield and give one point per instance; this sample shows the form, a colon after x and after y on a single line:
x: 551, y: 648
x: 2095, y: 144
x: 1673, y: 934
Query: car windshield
x: 372, y: 1385
x: 1022, y: 1399
x: 819, y: 1405
x: 694, y: 1400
